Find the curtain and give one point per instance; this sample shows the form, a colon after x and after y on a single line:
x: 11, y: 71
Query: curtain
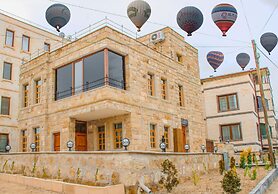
x: 223, y: 106
x: 236, y: 132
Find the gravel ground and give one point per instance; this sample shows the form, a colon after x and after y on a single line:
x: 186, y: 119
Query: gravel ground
x: 273, y: 189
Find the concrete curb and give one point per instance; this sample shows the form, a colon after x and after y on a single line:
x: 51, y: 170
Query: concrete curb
x: 265, y: 183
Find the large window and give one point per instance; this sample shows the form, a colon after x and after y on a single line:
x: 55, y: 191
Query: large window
x: 37, y: 138
x: 104, y: 67
x: 260, y: 104
x: 4, y: 141
x: 5, y: 105
x: 7, y: 71
x: 152, y: 135
x: 118, y: 135
x: 263, y: 131
x: 25, y: 43
x: 231, y: 132
x: 9, y: 38
x: 38, y: 85
x: 227, y: 102
x: 101, y: 138
x: 24, y: 140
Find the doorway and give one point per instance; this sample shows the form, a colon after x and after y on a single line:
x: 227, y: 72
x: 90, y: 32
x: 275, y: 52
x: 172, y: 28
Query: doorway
x: 80, y: 136
x: 179, y: 139
x: 56, y: 137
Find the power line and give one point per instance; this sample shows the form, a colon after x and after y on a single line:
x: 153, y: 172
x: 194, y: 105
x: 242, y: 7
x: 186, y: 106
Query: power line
x: 269, y: 17
x: 272, y: 62
x: 244, y: 13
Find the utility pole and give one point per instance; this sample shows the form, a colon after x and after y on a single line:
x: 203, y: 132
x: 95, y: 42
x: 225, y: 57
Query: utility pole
x: 270, y: 148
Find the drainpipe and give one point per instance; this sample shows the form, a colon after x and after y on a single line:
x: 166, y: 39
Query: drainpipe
x: 143, y: 187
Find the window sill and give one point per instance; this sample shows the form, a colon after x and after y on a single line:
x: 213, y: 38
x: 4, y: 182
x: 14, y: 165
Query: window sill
x: 5, y: 116
x: 153, y: 97
x: 7, y: 80
x: 10, y: 47
x: 26, y: 52
x: 228, y: 110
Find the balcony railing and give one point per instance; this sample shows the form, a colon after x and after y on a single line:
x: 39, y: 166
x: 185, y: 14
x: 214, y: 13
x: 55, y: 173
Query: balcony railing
x: 90, y: 86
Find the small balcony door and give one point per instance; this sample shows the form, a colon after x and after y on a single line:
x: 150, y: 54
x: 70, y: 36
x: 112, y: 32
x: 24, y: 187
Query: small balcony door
x: 56, y: 137
x: 80, y: 136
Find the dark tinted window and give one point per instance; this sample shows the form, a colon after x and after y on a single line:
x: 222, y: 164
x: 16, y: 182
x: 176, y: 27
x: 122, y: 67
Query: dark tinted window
x: 5, y: 105
x: 4, y: 141
x: 116, y: 70
x: 64, y: 82
x: 7, y: 71
x: 94, y: 71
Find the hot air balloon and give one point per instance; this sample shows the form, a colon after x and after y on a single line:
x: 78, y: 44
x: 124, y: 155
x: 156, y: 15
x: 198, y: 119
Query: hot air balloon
x: 139, y: 12
x: 224, y: 16
x: 57, y: 15
x: 243, y: 59
x: 190, y: 19
x: 215, y: 59
x: 269, y: 41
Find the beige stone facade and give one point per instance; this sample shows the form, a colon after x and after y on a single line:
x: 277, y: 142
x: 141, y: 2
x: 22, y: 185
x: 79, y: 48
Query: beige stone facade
x: 12, y: 52
x: 132, y: 106
x: 240, y: 91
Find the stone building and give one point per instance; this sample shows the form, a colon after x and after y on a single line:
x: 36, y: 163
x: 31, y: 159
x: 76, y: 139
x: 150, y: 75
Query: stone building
x: 107, y: 86
x: 234, y: 110
x: 18, y: 41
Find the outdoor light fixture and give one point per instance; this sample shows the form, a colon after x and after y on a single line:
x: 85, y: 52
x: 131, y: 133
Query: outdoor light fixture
x: 70, y: 144
x: 235, y: 149
x: 33, y: 147
x: 203, y: 148
x: 220, y: 139
x: 215, y: 149
x: 125, y: 143
x: 162, y: 146
x: 227, y: 141
x: 187, y: 147
x: 8, y: 148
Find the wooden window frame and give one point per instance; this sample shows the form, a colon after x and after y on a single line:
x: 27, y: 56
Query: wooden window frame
x: 163, y: 82
x: 166, y: 135
x: 9, y: 107
x: 45, y: 43
x: 8, y: 30
x: 101, y: 146
x: 118, y: 145
x: 227, y: 101
x: 38, y: 91
x: 24, y: 140
x: 10, y: 71
x: 231, y: 133
x: 26, y: 95
x: 8, y: 135
x: 37, y: 138
x: 151, y: 84
x: 152, y: 136
x: 24, y: 36
x: 181, y: 95
x: 179, y: 58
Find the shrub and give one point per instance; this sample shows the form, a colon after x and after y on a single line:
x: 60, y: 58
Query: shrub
x: 221, y: 166
x: 231, y: 182
x: 195, y: 177
x: 254, y: 174
x: 169, y: 177
x: 267, y: 165
x: 242, y: 161
x: 233, y: 163
x: 249, y: 160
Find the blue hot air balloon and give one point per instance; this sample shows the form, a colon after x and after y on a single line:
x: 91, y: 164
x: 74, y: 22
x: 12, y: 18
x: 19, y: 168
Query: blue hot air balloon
x: 190, y: 19
x: 215, y: 59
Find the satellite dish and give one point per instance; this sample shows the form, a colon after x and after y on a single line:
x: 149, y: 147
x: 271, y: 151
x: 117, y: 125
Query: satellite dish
x: 243, y: 59
x: 62, y: 34
x: 57, y: 15
x: 139, y: 12
x: 269, y: 41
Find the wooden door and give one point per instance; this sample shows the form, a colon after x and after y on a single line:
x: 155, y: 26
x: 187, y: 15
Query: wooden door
x: 183, y: 138
x: 175, y: 136
x: 179, y: 139
x: 80, y: 141
x: 56, y: 141
x: 209, y: 146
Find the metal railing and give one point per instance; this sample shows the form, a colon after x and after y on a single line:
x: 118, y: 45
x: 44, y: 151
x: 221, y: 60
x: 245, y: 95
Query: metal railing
x: 106, y: 81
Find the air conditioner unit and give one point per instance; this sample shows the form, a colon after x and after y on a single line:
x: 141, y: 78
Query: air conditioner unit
x: 157, y: 37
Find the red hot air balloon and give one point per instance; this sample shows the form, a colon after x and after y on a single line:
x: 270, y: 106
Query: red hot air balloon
x: 215, y: 59
x: 224, y: 16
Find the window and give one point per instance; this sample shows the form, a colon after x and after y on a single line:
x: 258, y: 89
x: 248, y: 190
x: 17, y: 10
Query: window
x: 263, y: 131
x: 46, y: 47
x: 116, y: 70
x: 24, y: 140
x: 227, y: 102
x: 38, y: 84
x: 37, y: 138
x: 64, y: 82
x: 166, y: 136
x: 118, y: 135
x: 231, y: 132
x: 4, y: 141
x: 181, y: 96
x: 101, y: 138
x: 9, y: 38
x: 150, y: 84
x: 260, y: 104
x: 25, y: 43
x: 152, y: 135
x: 7, y: 71
x: 25, y: 95
x: 78, y: 77
x: 179, y: 58
x: 5, y: 105
x: 163, y: 88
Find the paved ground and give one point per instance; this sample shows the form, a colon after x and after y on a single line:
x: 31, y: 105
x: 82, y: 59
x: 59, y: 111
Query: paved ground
x: 273, y: 189
x: 11, y: 188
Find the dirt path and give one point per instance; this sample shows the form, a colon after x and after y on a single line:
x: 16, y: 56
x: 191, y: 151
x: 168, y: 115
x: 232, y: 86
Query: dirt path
x: 11, y: 188
x: 273, y: 189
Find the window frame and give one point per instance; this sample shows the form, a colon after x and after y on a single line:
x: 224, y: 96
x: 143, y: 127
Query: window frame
x: 26, y: 95
x: 227, y: 101
x: 152, y: 135
x: 181, y: 95
x: 8, y: 30
x: 37, y: 138
x: 28, y: 37
x: 150, y: 77
x: 118, y: 131
x: 101, y: 146
x: 8, y: 139
x: 163, y: 83
x: 166, y: 135
x: 9, y: 105
x: 179, y: 58
x: 48, y: 45
x: 231, y: 133
x: 38, y: 90
x: 24, y: 140
x: 10, y: 71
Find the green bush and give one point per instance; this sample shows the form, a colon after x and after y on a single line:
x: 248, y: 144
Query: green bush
x: 169, y: 175
x: 221, y: 166
x: 233, y: 162
x: 231, y: 182
x: 249, y: 160
x: 254, y: 174
x: 242, y: 162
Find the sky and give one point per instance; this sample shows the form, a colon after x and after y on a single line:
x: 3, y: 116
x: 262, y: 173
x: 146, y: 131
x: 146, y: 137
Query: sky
x: 252, y: 13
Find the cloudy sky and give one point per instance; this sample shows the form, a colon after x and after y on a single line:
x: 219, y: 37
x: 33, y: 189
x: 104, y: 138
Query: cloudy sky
x: 208, y: 37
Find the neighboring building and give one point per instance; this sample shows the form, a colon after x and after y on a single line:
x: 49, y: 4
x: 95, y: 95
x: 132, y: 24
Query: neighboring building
x: 233, y: 109
x: 107, y: 86
x: 19, y: 40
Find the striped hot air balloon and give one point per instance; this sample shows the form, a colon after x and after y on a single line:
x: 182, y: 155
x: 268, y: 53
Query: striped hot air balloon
x: 224, y: 16
x: 215, y: 59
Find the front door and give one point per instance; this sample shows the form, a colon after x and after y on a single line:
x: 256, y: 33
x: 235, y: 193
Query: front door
x: 56, y: 141
x: 80, y: 136
x: 179, y: 139
x: 209, y: 146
